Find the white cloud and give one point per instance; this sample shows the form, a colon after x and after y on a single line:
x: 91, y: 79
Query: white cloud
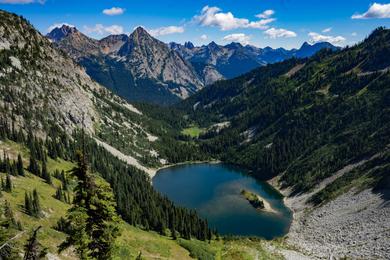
x: 22, y: 1
x: 114, y: 11
x: 203, y: 37
x: 261, y: 24
x: 354, y: 34
x: 213, y: 16
x: 375, y: 11
x: 166, y: 30
x: 274, y: 33
x: 326, y: 30
x: 266, y: 14
x: 101, y: 29
x: 58, y: 25
x: 335, y: 40
x: 237, y: 37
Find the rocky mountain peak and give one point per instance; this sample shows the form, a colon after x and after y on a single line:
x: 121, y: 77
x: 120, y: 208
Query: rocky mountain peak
x: 58, y: 33
x: 234, y: 45
x: 140, y: 32
x: 305, y: 45
x: 213, y: 45
x: 189, y: 45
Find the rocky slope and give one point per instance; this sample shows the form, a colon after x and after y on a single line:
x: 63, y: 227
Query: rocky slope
x: 41, y: 88
x: 137, y: 67
x: 354, y: 224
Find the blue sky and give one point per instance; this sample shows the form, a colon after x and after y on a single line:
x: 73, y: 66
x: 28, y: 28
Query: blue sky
x: 275, y: 23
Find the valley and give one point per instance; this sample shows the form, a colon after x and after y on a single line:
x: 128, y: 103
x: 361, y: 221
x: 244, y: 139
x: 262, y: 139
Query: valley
x: 224, y: 152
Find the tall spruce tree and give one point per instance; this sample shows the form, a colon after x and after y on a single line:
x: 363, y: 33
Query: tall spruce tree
x: 19, y: 165
x: 92, y: 219
x: 27, y: 204
x: 36, y: 205
x: 8, y: 183
x: 45, y: 174
x: 34, y: 166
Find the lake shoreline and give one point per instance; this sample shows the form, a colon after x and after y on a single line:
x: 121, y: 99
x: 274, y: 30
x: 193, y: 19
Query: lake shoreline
x: 154, y: 171
x: 190, y: 184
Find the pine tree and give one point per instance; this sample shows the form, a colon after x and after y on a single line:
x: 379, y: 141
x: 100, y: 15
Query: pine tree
x: 9, y: 214
x: 59, y: 195
x: 36, y: 206
x: 8, y: 249
x: 173, y: 233
x: 33, y: 249
x: 102, y: 222
x: 64, y: 180
x: 28, y: 204
x: 19, y: 165
x: 8, y: 184
x: 92, y: 219
x: 2, y: 184
x: 45, y: 174
x: 33, y: 166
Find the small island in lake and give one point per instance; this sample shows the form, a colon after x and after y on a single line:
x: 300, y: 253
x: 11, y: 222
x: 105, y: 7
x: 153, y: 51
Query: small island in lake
x: 256, y: 201
x: 253, y: 199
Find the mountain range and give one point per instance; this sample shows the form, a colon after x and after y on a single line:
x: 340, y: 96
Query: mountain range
x: 214, y: 62
x: 316, y: 128
x: 141, y: 68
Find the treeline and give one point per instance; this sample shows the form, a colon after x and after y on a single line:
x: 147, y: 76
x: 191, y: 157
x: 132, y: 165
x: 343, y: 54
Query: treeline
x: 137, y: 202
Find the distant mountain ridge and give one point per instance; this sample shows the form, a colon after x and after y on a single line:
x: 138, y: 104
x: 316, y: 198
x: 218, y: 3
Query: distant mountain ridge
x: 141, y: 68
x: 215, y: 62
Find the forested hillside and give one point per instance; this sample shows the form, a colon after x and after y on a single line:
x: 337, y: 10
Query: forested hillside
x: 304, y: 119
x: 47, y: 99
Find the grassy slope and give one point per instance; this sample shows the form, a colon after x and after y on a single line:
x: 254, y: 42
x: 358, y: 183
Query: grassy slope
x: 132, y: 240
x: 193, y: 131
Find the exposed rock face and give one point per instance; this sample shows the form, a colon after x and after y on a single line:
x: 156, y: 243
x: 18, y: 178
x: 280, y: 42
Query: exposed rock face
x: 41, y: 88
x: 51, y: 85
x: 57, y: 34
x: 112, y: 43
x: 138, y: 67
x: 150, y: 58
x: 74, y: 42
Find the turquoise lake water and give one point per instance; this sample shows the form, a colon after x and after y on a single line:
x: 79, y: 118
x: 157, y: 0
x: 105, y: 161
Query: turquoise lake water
x: 214, y: 191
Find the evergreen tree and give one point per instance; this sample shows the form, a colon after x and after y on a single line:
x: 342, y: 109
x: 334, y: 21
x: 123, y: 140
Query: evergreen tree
x: 36, y: 206
x: 32, y: 205
x: 64, y: 180
x: 2, y: 184
x: 45, y: 174
x: 28, y: 204
x: 92, y: 219
x: 33, y: 166
x: 33, y: 249
x: 59, y: 194
x: 9, y: 214
x: 8, y: 184
x: 7, y: 248
x: 173, y: 233
x: 19, y: 165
